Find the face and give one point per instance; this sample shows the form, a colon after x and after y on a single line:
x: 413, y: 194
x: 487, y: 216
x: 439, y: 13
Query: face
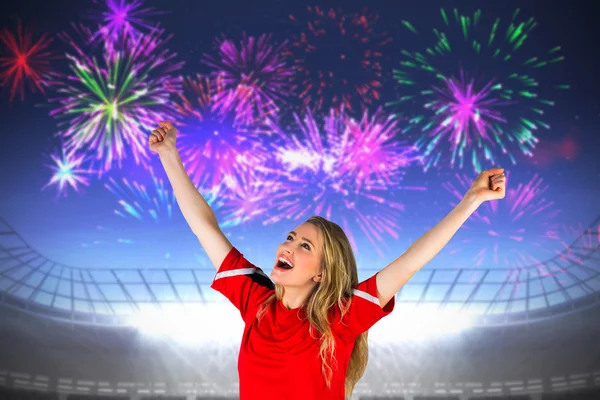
x: 302, y: 248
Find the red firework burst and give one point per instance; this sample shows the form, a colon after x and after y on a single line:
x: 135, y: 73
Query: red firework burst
x: 338, y: 58
x: 23, y: 60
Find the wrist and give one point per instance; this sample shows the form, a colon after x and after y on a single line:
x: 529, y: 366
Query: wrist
x: 167, y: 151
x: 472, y: 200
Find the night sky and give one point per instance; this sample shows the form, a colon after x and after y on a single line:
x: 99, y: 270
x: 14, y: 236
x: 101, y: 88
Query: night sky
x: 81, y: 228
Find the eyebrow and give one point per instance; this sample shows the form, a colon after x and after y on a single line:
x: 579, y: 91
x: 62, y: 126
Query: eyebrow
x: 294, y: 233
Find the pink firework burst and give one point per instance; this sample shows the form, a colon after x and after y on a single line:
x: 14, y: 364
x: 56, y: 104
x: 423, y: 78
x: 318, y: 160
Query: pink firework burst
x: 254, y: 76
x: 468, y: 119
x: 515, y: 232
x: 326, y: 170
x: 338, y: 58
x: 24, y: 61
x: 373, y: 149
x: 248, y: 201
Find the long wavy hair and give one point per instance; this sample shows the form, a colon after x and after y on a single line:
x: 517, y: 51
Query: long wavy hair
x: 339, y: 276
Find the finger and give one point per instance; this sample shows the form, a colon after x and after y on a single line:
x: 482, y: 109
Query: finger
x: 153, y: 139
x: 162, y: 133
x: 494, y: 171
x: 166, y: 125
x: 157, y: 135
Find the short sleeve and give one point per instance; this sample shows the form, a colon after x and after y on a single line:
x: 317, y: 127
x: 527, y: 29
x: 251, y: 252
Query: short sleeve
x: 365, y: 310
x: 243, y: 283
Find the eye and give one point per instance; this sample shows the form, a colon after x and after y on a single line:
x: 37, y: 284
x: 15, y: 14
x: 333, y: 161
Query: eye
x: 303, y: 244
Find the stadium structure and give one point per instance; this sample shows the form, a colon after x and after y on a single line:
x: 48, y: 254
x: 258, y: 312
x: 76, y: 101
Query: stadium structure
x: 76, y: 333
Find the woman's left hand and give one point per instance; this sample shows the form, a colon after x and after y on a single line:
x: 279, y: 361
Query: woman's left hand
x: 489, y: 185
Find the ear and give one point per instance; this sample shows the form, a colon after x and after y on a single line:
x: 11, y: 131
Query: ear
x: 318, y: 277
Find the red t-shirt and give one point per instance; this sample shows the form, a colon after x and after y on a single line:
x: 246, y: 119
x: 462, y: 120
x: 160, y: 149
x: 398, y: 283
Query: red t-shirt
x: 279, y: 360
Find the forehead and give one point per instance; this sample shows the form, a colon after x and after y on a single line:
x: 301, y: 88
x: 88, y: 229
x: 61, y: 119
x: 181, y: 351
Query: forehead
x: 310, y: 232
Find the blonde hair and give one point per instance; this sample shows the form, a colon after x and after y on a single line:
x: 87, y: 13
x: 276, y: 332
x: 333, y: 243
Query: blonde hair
x: 339, y: 276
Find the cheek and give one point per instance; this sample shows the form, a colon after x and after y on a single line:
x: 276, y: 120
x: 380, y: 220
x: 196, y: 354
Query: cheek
x: 310, y: 263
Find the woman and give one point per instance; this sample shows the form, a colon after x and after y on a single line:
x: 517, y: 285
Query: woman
x: 306, y: 327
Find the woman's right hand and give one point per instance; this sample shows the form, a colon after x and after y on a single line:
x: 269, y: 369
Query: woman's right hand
x: 163, y: 137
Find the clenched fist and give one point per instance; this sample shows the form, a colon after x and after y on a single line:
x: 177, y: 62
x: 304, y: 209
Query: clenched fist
x: 489, y: 185
x: 163, y: 138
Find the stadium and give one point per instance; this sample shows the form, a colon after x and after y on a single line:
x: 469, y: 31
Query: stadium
x: 544, y: 353
x: 385, y: 119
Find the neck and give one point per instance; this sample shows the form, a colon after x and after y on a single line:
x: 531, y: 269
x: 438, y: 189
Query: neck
x: 294, y: 297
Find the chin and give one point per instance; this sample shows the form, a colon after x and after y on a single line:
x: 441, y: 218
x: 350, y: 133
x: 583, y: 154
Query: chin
x: 274, y: 278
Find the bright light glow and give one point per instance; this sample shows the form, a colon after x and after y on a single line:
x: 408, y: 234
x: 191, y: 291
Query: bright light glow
x: 408, y: 322
x: 191, y: 324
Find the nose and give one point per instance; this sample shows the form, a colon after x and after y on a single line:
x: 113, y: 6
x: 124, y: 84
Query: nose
x: 286, y: 250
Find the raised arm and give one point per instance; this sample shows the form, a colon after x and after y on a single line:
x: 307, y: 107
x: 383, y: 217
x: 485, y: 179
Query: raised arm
x: 196, y: 211
x: 489, y: 185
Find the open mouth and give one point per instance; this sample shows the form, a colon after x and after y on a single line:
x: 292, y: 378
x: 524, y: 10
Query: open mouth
x: 283, y: 265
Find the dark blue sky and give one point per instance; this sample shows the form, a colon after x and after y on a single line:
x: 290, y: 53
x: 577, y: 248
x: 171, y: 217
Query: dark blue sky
x: 66, y: 230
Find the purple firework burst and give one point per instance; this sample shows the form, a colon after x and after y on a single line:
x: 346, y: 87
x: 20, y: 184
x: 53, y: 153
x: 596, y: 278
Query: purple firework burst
x: 219, y: 156
x: 121, y: 19
x: 255, y: 78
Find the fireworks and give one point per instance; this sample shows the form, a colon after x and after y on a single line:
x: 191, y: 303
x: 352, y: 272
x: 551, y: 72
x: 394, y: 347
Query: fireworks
x: 254, y: 78
x: 24, y: 61
x: 373, y: 150
x: 327, y: 170
x: 338, y: 59
x: 219, y: 156
x: 110, y: 105
x: 121, y: 20
x: 246, y: 202
x: 68, y: 169
x: 213, y: 145
x: 141, y: 203
x: 480, y: 109
x: 510, y: 238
